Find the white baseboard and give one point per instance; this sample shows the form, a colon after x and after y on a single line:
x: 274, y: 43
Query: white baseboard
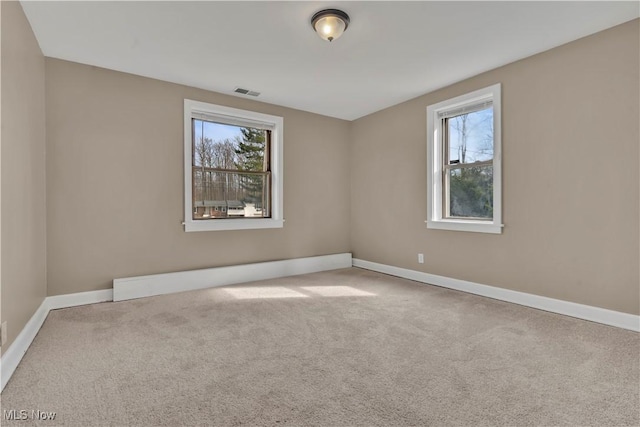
x: 81, y: 298
x: 159, y: 284
x: 136, y: 287
x: 12, y: 357
x: 580, y: 311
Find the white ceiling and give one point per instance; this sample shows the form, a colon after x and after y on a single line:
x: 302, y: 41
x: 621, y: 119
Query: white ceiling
x: 391, y: 52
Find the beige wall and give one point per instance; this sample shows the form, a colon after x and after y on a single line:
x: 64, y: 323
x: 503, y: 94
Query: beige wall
x: 23, y: 171
x: 114, y: 179
x: 115, y: 182
x: 570, y: 179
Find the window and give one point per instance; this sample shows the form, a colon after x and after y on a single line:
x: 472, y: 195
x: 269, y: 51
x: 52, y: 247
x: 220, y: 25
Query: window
x: 464, y: 163
x: 233, y: 168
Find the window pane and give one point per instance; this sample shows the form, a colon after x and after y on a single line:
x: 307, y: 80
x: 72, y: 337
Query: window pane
x: 221, y: 146
x: 229, y: 194
x: 471, y: 137
x: 471, y: 192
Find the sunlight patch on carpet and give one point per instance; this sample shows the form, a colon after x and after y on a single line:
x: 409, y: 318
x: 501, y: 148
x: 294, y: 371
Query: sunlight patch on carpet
x: 337, y: 291
x: 264, y: 292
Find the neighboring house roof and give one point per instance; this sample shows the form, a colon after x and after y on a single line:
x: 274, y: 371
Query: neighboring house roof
x: 237, y: 204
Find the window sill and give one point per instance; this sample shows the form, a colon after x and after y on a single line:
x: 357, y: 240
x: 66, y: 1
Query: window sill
x: 470, y: 226
x: 232, y: 224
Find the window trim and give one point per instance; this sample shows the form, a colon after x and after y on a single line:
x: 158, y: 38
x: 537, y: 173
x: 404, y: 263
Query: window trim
x: 435, y: 166
x: 235, y: 115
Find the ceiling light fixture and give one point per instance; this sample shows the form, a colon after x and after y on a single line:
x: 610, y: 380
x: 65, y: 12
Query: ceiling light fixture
x: 330, y: 23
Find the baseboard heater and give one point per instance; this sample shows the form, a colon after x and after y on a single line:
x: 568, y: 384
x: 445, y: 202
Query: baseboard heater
x: 159, y: 284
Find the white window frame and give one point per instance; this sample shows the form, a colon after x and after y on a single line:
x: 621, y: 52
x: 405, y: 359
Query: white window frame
x: 235, y: 117
x: 435, y: 163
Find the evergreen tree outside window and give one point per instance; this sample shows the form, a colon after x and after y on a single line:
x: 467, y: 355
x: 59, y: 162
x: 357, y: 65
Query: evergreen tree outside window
x: 253, y: 155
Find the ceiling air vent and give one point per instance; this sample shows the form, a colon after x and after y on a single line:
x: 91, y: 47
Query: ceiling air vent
x: 246, y: 91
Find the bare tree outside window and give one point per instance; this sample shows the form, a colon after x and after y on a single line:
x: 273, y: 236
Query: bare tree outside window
x: 230, y: 170
x: 464, y: 162
x: 468, y: 177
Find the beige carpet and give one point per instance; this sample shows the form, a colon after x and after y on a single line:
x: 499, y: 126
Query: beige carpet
x: 347, y: 347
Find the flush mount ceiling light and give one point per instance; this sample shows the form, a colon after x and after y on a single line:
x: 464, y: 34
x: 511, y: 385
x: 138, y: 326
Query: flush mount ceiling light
x: 330, y: 23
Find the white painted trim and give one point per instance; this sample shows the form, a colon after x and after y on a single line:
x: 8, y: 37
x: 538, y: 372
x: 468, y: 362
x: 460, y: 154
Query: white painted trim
x: 12, y: 357
x: 81, y: 298
x: 435, y: 154
x: 461, y: 225
x: 159, y: 284
x: 580, y: 311
x: 232, y: 224
x: 137, y: 287
x: 277, y: 169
